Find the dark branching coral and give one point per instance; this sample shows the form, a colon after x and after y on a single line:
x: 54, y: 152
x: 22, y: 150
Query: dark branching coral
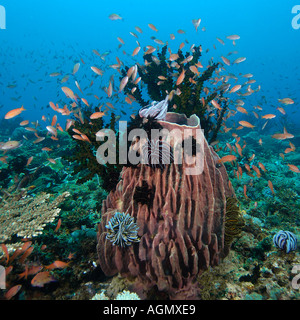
x: 84, y: 154
x: 194, y: 98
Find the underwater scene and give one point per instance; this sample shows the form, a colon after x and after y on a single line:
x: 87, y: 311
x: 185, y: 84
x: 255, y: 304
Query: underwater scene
x: 149, y: 150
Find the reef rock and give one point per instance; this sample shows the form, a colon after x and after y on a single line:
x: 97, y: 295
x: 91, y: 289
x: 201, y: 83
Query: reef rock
x: 181, y: 218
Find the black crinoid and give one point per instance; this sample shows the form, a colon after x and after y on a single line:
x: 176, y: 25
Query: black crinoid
x: 144, y: 194
x: 154, y: 152
x: 157, y: 153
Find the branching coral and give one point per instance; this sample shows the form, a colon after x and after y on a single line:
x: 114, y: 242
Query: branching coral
x: 27, y: 216
x: 191, y: 96
x: 84, y: 154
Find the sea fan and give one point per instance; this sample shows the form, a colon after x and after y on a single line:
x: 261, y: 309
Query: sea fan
x: 157, y: 153
x: 122, y: 230
x: 285, y: 240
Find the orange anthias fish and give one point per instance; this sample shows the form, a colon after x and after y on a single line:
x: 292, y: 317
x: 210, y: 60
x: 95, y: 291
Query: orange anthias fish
x: 245, y: 191
x: 268, y: 116
x: 180, y: 78
x: 58, y: 225
x: 152, y: 27
x: 294, y: 168
x: 97, y: 115
x: 12, y: 291
x: 286, y: 101
x: 13, y: 113
x: 227, y: 158
x: 283, y: 136
x: 42, y: 278
x: 58, y: 265
x: 246, y: 124
x: 270, y: 184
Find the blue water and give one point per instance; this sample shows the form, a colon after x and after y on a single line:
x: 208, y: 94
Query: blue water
x: 49, y: 36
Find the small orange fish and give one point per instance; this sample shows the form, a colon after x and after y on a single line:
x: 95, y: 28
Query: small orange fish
x: 123, y: 83
x: 262, y: 166
x: 26, y: 254
x: 136, y: 51
x: 97, y: 115
x: 235, y: 88
x: 13, y: 113
x: 54, y: 119
x: 85, y: 102
x: 152, y: 27
x: 286, y: 101
x: 252, y: 157
x: 24, y: 123
x: 58, y: 265
x: 58, y: 225
x: 180, y: 78
x: 241, y: 109
x: 69, y: 93
x: 29, y: 272
x: 245, y: 191
x: 225, y: 60
x: 227, y: 158
x: 98, y: 71
x: 256, y: 170
x: 281, y: 110
x: 294, y: 168
x: 51, y: 160
x: 270, y: 184
x: 215, y: 104
x: 76, y: 67
x: 268, y: 116
x: 12, y: 291
x: 5, y: 250
x: 41, y: 279
x: 29, y: 161
x: 246, y: 124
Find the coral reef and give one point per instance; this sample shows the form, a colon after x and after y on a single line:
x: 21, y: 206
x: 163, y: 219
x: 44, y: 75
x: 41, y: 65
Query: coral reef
x: 26, y: 216
x: 182, y: 231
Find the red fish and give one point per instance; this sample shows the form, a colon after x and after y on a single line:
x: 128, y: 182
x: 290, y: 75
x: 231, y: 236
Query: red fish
x: 42, y: 278
x: 12, y: 291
